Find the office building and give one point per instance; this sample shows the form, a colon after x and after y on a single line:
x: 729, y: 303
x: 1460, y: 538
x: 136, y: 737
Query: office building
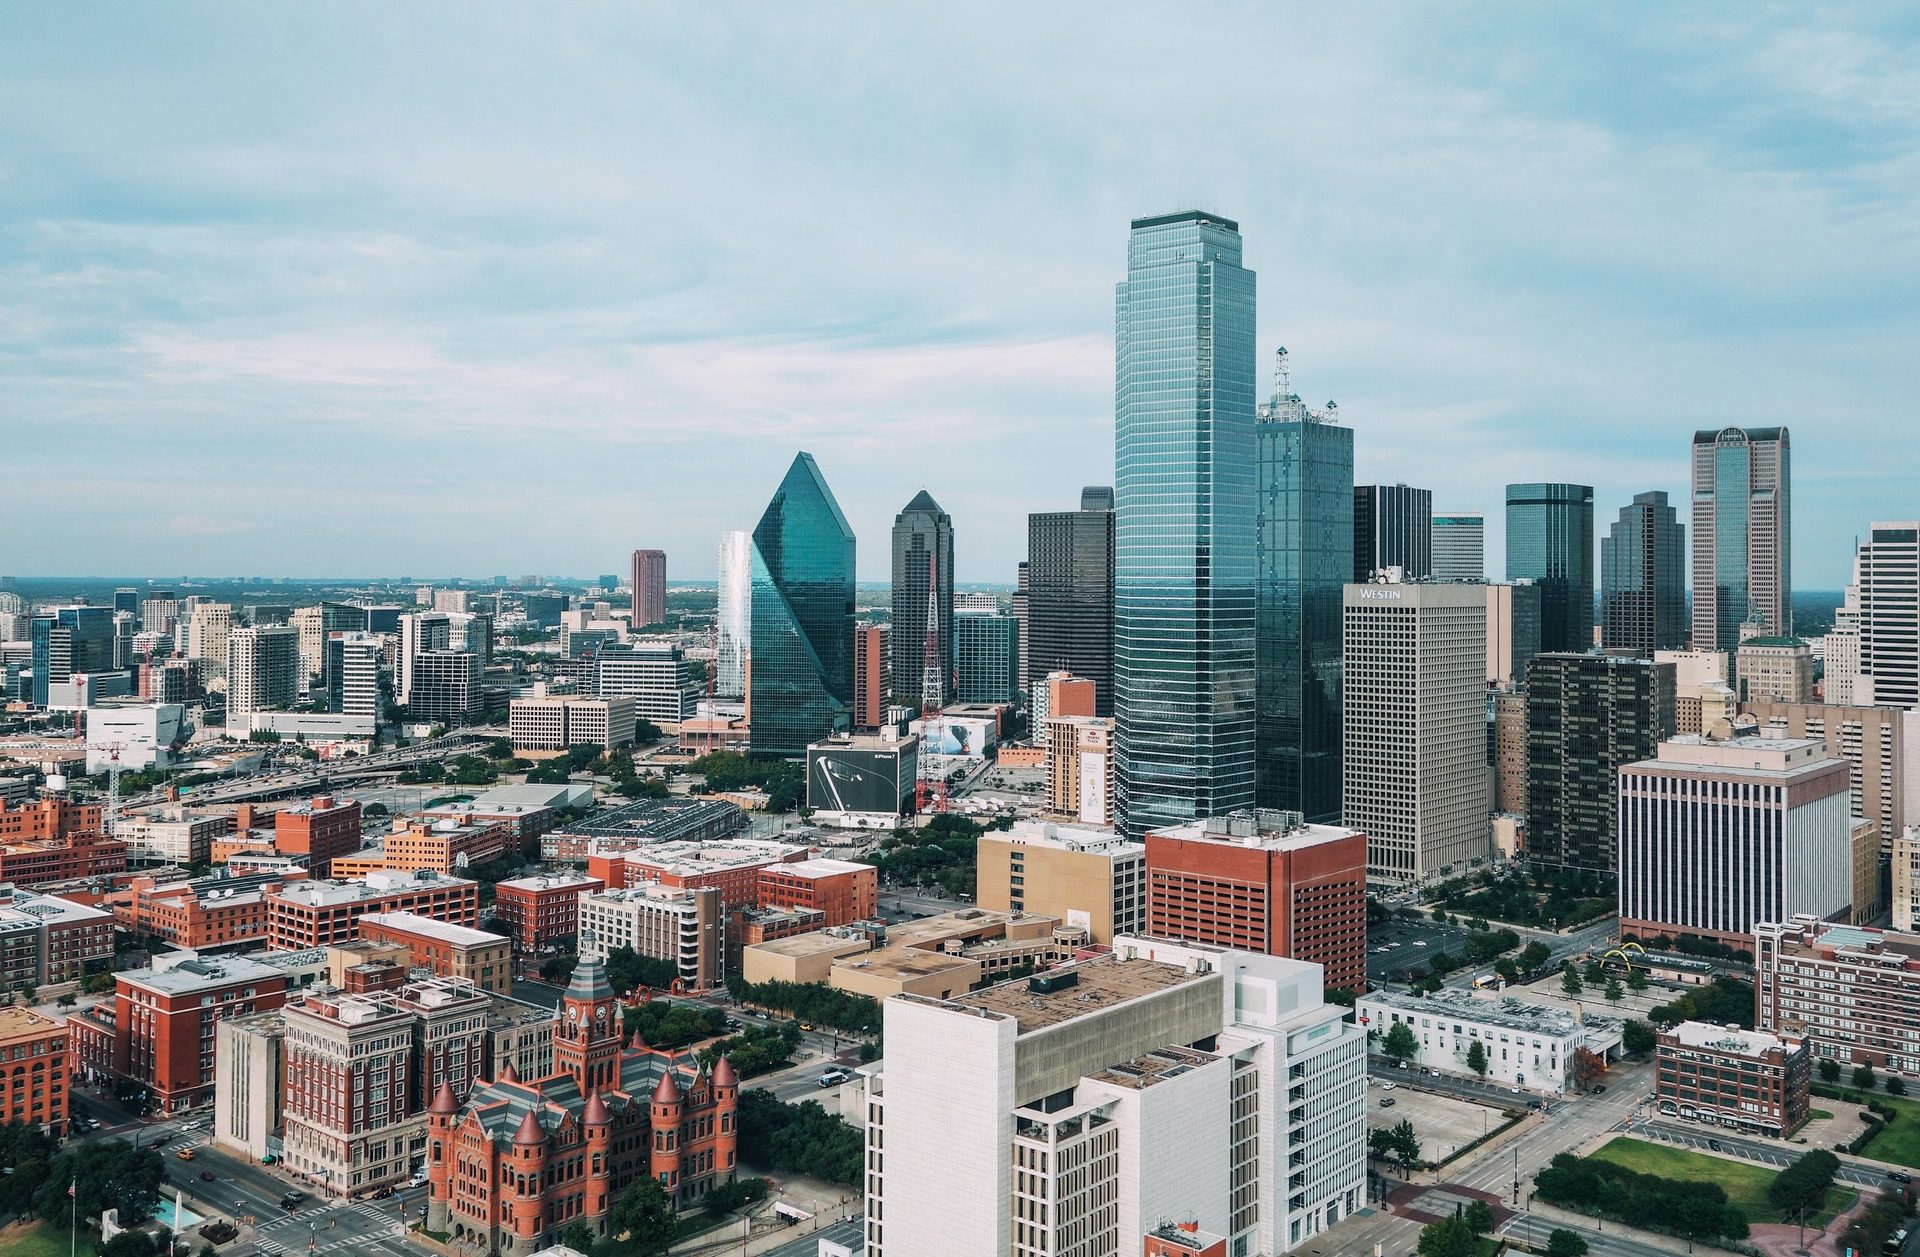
x: 1460, y: 546
x: 734, y: 624
x: 263, y: 670
x: 543, y: 912
x: 1513, y: 632
x: 207, y: 631
x: 1700, y: 680
x: 319, y: 830
x: 44, y: 938
x: 349, y: 1125
x: 173, y: 835
x: 34, y: 1088
x: 1550, y: 542
x: 801, y: 680
x: 1643, y: 579
x: 1078, y: 1110
x: 1079, y: 768
x: 350, y: 673
x: 1587, y: 715
x: 1264, y: 881
x: 420, y: 633
x: 1020, y: 605
x: 1886, y: 598
x: 520, y: 1160
x: 1184, y: 567
x: 1414, y: 776
x: 1718, y: 835
x: 1068, y: 625
x: 922, y: 546
x: 548, y: 726
x: 871, y: 677
x: 1742, y: 535
x: 1847, y: 990
x: 62, y: 859
x: 66, y: 643
x: 649, y: 576
x: 863, y: 780
x: 319, y: 913
x: 1881, y: 746
x: 1509, y: 751
x: 1754, y: 1082
x: 317, y: 625
x: 655, y: 675
x: 448, y: 950
x: 986, y: 658
x: 1530, y: 1046
x: 1773, y: 670
x: 685, y: 927
x: 1392, y: 528
x: 1306, y: 530
x: 1084, y: 876
x: 1840, y: 649
x: 158, y: 1033
x: 446, y: 689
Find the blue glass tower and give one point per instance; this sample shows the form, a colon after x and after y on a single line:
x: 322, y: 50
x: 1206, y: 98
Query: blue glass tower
x: 68, y: 642
x: 1305, y: 548
x: 800, y: 665
x: 1184, y: 497
x: 1643, y: 580
x: 1550, y: 542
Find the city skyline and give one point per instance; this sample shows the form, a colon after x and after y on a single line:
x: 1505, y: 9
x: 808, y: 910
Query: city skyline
x: 379, y: 276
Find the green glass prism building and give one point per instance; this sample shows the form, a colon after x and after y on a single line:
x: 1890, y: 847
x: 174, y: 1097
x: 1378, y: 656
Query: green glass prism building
x: 1184, y: 569
x: 1550, y: 542
x: 1305, y: 550
x: 800, y: 666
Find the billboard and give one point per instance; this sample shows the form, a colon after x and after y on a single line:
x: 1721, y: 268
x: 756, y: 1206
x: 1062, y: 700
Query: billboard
x: 957, y: 737
x: 859, y: 779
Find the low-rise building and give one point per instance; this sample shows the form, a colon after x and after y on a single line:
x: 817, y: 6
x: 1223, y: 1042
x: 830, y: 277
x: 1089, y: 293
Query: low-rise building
x: 1851, y: 992
x: 49, y: 938
x: 448, y: 950
x: 1084, y: 876
x: 34, y: 1083
x: 548, y: 726
x: 172, y: 835
x: 685, y: 926
x: 442, y: 846
x: 1527, y: 1045
x: 1747, y: 1080
x: 192, y: 914
x: 543, y: 912
x: 733, y: 866
x: 319, y: 830
x: 643, y: 822
x: 841, y: 891
x: 63, y: 859
x: 863, y: 780
x: 526, y: 822
x: 317, y: 912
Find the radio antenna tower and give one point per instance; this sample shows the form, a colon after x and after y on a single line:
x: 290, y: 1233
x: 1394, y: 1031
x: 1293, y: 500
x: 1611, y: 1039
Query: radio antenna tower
x: 932, y: 787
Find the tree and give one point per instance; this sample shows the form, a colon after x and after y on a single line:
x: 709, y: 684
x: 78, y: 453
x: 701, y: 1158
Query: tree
x: 1636, y: 982
x: 578, y: 1236
x: 559, y: 968
x: 1406, y: 1144
x: 1534, y: 955
x: 1585, y: 1065
x: 128, y: 1244
x: 1565, y: 1243
x: 1449, y: 1237
x: 1896, y: 1087
x: 1400, y: 1045
x: 645, y: 1215
x: 1829, y: 1070
x: 1613, y: 991
x: 734, y: 1195
x: 1380, y: 1143
x: 1479, y: 1217
x: 1570, y: 980
x: 1594, y: 973
x: 1507, y: 969
x: 1439, y: 915
x: 1864, y: 1080
x: 1638, y: 1038
x: 1477, y: 1058
x: 1802, y: 1187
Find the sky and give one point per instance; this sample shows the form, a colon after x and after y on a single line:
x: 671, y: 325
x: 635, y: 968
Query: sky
x: 446, y: 289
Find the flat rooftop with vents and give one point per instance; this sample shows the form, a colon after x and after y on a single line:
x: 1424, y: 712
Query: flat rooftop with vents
x: 1073, y: 991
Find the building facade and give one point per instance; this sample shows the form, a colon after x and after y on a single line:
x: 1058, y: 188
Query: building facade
x: 263, y: 670
x: 447, y: 950
x: 986, y: 658
x: 1886, y: 594
x: 685, y: 927
x: 1742, y: 535
x: 318, y: 912
x: 1079, y: 767
x: 1184, y: 566
x: 1531, y: 1046
x: 543, y: 912
x: 649, y: 580
x: 801, y: 680
x: 1068, y: 626
x: 1085, y: 877
x: 1852, y: 993
x: 1392, y: 528
x: 1513, y: 632
x: 1586, y: 716
x: 733, y: 625
x: 1550, y: 542
x: 1643, y: 578
x: 37, y: 1073
x: 1744, y: 1079
x: 872, y: 676
x: 1460, y: 546
x: 922, y: 551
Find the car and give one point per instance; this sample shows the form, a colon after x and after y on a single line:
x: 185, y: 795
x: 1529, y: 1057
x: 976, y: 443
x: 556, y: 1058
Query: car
x: 206, y: 1176
x: 1900, y: 1176
x: 835, y: 1077
x: 185, y: 1154
x: 1514, y: 1090
x: 1714, y: 1144
x: 1389, y: 1085
x: 1598, y: 1087
x: 419, y: 1177
x: 1432, y: 1072
x: 291, y: 1199
x: 1387, y: 1102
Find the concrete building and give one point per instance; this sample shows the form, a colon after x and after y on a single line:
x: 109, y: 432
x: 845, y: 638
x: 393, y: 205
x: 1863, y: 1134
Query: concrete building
x: 1460, y: 546
x: 863, y: 780
x: 543, y: 912
x: 841, y: 891
x: 1415, y: 750
x: 548, y: 726
x: 734, y: 614
x: 350, y: 674
x: 1264, y: 881
x: 1091, y: 878
x: 51, y: 939
x: 445, y: 949
x: 1880, y: 744
x: 1742, y: 534
x: 1527, y: 1045
x: 656, y: 675
x: 1076, y: 1111
x: 263, y: 671
x: 1717, y: 836
x: 684, y: 926
x: 1080, y: 768
x: 1508, y: 735
x: 250, y: 1086
x: 1886, y: 595
x: 1513, y: 631
x: 1587, y: 715
x: 1773, y: 669
x: 348, y: 1078
x: 34, y: 1088
x: 1850, y: 992
x: 1747, y: 1080
x: 644, y: 822
x: 209, y: 628
x: 986, y: 658
x: 319, y: 829
x: 441, y: 846
x: 1697, y: 675
x: 173, y: 835
x: 649, y: 581
x: 731, y: 866
x: 446, y: 688
x: 134, y: 737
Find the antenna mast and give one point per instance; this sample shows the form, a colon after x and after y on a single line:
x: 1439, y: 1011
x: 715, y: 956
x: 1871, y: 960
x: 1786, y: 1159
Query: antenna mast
x: 932, y: 787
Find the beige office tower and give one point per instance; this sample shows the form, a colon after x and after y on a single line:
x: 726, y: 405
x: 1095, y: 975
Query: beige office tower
x: 1510, y: 752
x: 1080, y: 769
x: 1777, y: 669
x: 207, y: 632
x: 1415, y: 727
x: 1694, y: 673
x: 1086, y: 877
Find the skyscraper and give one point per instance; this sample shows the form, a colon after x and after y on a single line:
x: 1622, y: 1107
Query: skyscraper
x: 922, y: 534
x: 1643, y: 584
x: 649, y: 587
x: 1183, y: 554
x: 1887, y: 593
x: 421, y: 632
x: 986, y: 653
x: 1742, y: 535
x: 1304, y: 525
x: 1460, y: 546
x: 1392, y: 527
x: 263, y: 672
x: 735, y: 612
x: 871, y: 663
x: 69, y: 642
x: 1069, y: 601
x: 1550, y: 542
x: 1587, y: 715
x: 801, y: 681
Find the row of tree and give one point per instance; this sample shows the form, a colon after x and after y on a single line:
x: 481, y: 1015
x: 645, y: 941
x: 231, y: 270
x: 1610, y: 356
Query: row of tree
x: 784, y: 782
x: 1728, y: 1001
x: 799, y: 1139
x: 1698, y: 1211
x: 815, y: 1003
x: 109, y: 1174
x: 756, y: 1050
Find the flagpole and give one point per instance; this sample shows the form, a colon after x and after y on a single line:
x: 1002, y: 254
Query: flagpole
x: 73, y: 1218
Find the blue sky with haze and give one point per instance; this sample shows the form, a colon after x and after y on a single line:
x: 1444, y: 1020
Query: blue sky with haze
x: 459, y: 289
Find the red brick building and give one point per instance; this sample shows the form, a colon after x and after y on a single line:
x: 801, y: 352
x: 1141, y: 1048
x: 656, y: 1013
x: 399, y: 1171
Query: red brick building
x: 448, y: 950
x: 158, y: 1035
x: 319, y: 830
x: 519, y: 1160
x: 179, y: 914
x: 46, y: 819
x: 843, y: 892
x: 316, y: 913
x: 35, y: 1065
x: 1262, y: 881
x: 732, y: 865
x: 543, y: 912
x: 870, y: 676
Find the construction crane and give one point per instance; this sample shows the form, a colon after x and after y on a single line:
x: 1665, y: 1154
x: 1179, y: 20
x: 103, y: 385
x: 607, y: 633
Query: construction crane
x: 931, y: 790
x: 113, y: 750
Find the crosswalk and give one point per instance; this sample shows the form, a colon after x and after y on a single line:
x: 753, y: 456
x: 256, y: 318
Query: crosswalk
x: 290, y: 1234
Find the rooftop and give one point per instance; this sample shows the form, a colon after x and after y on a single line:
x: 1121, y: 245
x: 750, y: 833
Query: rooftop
x: 19, y: 1023
x: 535, y: 796
x: 185, y: 972
x: 551, y: 881
x: 652, y: 819
x: 1706, y: 1034
x: 819, y: 942
x: 904, y: 962
x: 1097, y: 984
x: 1507, y: 1013
x: 684, y: 858
x: 446, y: 932
x: 51, y: 909
x: 821, y: 867
x: 1151, y: 1067
x: 1267, y: 829
x: 330, y: 894
x: 1083, y: 838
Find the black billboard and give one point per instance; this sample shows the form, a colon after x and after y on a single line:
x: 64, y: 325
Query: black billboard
x: 853, y: 779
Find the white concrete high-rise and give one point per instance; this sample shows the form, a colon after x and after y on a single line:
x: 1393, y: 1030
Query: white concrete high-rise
x: 1887, y: 594
x: 207, y: 632
x: 1415, y: 727
x: 420, y: 633
x: 735, y: 615
x: 263, y: 671
x: 1075, y: 1111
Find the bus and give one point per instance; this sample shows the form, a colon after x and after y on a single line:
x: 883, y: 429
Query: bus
x: 1486, y: 981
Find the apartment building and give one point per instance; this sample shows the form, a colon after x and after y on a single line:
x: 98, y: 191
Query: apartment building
x: 448, y: 950
x: 37, y: 1071
x: 1076, y: 1111
x: 45, y: 938
x: 66, y: 859
x: 543, y: 911
x: 683, y: 925
x: 1852, y: 992
x: 1087, y: 877
x: 1750, y: 1081
x: 172, y: 835
x: 319, y: 912
x: 319, y: 829
x: 1079, y: 767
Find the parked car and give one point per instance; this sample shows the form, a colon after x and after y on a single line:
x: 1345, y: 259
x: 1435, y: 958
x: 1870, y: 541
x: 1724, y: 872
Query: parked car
x: 1714, y: 1144
x: 1389, y: 1085
x: 1387, y: 1102
x: 1598, y: 1087
x: 1900, y: 1176
x: 185, y: 1154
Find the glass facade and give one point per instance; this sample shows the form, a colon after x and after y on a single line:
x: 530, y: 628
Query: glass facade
x: 1392, y: 527
x: 1183, y: 553
x: 920, y: 532
x: 1643, y: 578
x: 71, y: 641
x: 1742, y: 535
x: 1304, y: 545
x: 1069, y: 596
x: 1550, y: 542
x: 1459, y: 546
x: 986, y: 658
x: 735, y: 615
x: 800, y: 682
x: 1586, y: 716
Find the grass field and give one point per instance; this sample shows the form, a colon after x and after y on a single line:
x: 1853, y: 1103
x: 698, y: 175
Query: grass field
x: 40, y: 1239
x: 1898, y: 1144
x: 1745, y: 1185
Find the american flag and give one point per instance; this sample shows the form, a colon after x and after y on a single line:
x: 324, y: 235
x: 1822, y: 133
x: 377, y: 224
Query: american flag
x: 71, y: 1184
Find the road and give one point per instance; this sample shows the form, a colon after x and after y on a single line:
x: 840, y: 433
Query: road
x: 331, y: 773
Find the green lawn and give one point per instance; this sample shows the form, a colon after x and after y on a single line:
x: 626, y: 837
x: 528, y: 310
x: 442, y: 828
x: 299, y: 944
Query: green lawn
x: 1819, y: 1115
x: 1899, y: 1143
x: 40, y: 1239
x: 1745, y: 1185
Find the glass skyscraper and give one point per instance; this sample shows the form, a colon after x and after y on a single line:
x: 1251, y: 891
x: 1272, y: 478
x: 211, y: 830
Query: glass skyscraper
x: 921, y: 531
x: 1742, y: 535
x: 1643, y: 583
x: 800, y: 678
x: 69, y: 642
x: 1305, y: 545
x: 1184, y: 498
x: 734, y: 612
x: 1392, y: 527
x: 1550, y: 542
x: 1069, y: 597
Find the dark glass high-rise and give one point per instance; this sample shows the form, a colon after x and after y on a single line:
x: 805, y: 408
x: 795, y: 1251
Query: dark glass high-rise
x: 1070, y: 593
x: 800, y: 670
x: 1392, y: 527
x: 1550, y: 542
x: 1643, y: 580
x: 921, y: 532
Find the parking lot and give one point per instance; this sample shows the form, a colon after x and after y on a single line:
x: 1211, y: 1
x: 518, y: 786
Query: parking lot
x: 1417, y: 940
x: 1444, y: 1123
